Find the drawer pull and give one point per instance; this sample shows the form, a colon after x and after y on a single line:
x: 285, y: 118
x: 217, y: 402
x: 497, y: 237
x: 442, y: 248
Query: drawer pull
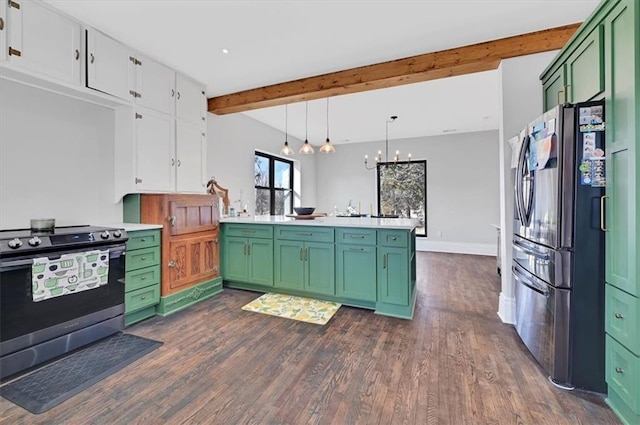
x: 143, y: 278
x: 248, y: 231
x: 619, y: 370
x: 304, y: 234
x: 357, y: 236
x: 394, y: 238
x: 619, y: 316
x: 143, y: 298
x: 356, y: 249
x: 143, y: 240
x: 143, y: 258
x: 384, y: 261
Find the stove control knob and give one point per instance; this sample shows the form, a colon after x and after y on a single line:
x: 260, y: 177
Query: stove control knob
x: 35, y: 241
x: 15, y: 243
x: 104, y: 235
x: 117, y: 234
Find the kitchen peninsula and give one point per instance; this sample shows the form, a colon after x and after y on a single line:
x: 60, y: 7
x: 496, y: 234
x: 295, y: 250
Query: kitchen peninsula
x: 361, y: 262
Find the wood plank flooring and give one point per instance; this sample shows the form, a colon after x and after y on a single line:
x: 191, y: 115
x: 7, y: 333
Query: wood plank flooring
x: 455, y: 363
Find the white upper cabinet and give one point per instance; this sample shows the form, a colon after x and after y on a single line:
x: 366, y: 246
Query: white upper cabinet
x: 154, y: 85
x: 3, y: 30
x: 191, y: 157
x: 107, y: 65
x: 155, y: 151
x: 191, y: 102
x: 42, y: 40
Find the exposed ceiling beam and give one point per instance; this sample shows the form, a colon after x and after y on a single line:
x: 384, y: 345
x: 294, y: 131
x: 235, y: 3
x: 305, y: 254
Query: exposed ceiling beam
x: 430, y: 66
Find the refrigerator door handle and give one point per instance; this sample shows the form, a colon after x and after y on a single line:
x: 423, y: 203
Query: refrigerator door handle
x: 528, y: 250
x: 529, y: 283
x: 518, y: 183
x: 602, y: 221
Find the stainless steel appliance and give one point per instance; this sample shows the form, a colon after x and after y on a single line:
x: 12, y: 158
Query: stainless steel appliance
x: 558, y: 244
x: 81, y: 269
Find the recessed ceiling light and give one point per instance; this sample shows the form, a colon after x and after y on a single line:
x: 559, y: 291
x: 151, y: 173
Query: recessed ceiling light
x: 225, y: 51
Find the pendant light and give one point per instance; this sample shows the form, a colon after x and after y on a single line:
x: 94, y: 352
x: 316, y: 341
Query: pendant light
x: 306, y: 147
x: 327, y: 147
x: 286, y: 150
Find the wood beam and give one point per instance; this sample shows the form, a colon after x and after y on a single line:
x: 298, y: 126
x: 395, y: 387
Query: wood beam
x: 430, y: 66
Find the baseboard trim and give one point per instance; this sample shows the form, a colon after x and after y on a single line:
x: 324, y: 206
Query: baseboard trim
x: 423, y: 244
x: 507, y: 309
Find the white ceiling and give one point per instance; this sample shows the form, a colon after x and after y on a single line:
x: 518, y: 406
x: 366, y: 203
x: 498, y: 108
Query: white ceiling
x: 276, y: 41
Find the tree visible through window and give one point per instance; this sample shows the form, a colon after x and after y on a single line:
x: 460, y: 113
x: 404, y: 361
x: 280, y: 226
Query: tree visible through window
x: 402, y: 191
x: 273, y: 185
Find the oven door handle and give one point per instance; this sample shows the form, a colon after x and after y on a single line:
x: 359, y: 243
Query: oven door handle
x: 16, y: 263
x: 113, y: 253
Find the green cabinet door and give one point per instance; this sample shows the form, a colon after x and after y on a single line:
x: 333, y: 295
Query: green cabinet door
x: 393, y: 276
x: 260, y: 258
x: 585, y: 68
x: 553, y: 89
x: 320, y: 268
x: 622, y: 93
x: 289, y: 264
x: 234, y: 259
x: 356, y: 272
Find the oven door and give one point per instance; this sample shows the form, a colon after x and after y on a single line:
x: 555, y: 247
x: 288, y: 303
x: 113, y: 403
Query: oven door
x: 25, y: 322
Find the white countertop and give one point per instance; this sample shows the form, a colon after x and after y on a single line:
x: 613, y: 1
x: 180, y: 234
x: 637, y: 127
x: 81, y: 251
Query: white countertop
x: 377, y: 223
x: 130, y: 227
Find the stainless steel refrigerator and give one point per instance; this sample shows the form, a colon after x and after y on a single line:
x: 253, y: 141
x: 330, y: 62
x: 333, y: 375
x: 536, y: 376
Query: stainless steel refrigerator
x: 558, y: 244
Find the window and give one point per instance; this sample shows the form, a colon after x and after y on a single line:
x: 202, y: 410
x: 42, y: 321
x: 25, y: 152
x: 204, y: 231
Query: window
x: 274, y: 185
x: 402, y: 191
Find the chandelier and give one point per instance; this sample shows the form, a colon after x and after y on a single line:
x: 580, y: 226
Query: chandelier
x: 378, y: 157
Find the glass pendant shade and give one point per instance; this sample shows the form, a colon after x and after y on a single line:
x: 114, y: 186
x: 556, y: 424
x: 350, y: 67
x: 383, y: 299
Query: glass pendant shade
x: 327, y: 147
x: 286, y: 149
x: 306, y: 148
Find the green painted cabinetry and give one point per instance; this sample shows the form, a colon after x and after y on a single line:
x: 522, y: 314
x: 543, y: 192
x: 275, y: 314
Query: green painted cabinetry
x: 393, y: 275
x: 142, y: 275
x: 247, y: 253
x: 356, y: 276
x: 603, y: 60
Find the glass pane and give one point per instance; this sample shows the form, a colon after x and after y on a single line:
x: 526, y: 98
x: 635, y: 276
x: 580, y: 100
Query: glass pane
x: 261, y: 170
x: 263, y: 201
x: 402, y: 189
x: 283, y: 202
x: 282, y: 175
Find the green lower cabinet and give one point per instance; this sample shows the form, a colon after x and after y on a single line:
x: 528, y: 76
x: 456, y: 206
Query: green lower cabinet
x: 289, y: 270
x: 248, y: 260
x: 142, y: 275
x: 393, y: 276
x: 320, y: 268
x: 356, y: 272
x: 305, y: 266
x: 623, y: 377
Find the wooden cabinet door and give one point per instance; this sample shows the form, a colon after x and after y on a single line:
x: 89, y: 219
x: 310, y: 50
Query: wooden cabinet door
x: 107, y: 65
x: 155, y: 156
x: 356, y: 272
x: 235, y: 259
x: 585, y: 69
x: 289, y: 264
x: 193, y: 213
x: 393, y: 276
x: 320, y: 268
x: 44, y: 41
x: 191, y: 261
x: 191, y: 102
x: 191, y: 157
x: 155, y: 83
x: 553, y: 89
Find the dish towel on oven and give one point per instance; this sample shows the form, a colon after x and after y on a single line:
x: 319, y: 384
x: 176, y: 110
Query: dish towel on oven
x: 69, y: 274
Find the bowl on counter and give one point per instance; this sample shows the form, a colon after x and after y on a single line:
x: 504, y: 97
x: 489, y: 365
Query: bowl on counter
x: 304, y: 210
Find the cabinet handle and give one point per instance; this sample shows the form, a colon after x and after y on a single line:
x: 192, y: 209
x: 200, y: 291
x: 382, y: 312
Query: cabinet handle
x: 173, y: 92
x: 143, y: 258
x: 178, y: 163
x: 619, y: 370
x: 248, y: 231
x: 14, y: 52
x: 138, y: 180
x: 301, y: 255
x: 356, y: 249
x: 91, y: 58
x: 384, y: 261
x: 143, y: 240
x: 304, y: 234
x: 558, y: 94
x: 357, y: 236
x: 215, y: 240
x: 143, y: 278
x: 602, y: 224
x: 216, y: 268
x: 138, y: 116
x: 394, y: 238
x: 244, y: 249
x: 173, y: 162
x: 178, y: 95
x: 171, y: 219
x: 306, y: 254
x: 619, y: 316
x: 1, y: 24
x: 143, y: 298
x: 77, y: 54
x: 14, y: 4
x: 248, y: 249
x: 203, y: 118
x: 172, y: 264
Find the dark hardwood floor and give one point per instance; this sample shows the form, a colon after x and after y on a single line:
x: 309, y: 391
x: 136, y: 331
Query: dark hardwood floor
x: 455, y: 363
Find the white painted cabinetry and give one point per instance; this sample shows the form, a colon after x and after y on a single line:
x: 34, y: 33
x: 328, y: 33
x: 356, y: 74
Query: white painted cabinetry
x: 190, y: 100
x: 191, y: 148
x: 107, y: 64
x: 154, y: 151
x: 44, y: 41
x: 154, y: 84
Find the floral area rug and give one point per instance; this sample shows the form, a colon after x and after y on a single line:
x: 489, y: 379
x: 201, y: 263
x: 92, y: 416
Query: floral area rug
x: 296, y: 308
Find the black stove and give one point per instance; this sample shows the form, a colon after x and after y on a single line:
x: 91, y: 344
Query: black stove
x: 25, y: 241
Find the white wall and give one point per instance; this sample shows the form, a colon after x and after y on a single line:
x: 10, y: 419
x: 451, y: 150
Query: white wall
x: 56, y: 159
x: 233, y: 139
x: 462, y: 186
x: 520, y: 102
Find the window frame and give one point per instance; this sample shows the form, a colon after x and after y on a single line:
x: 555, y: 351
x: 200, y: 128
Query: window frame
x: 271, y: 188
x: 378, y: 181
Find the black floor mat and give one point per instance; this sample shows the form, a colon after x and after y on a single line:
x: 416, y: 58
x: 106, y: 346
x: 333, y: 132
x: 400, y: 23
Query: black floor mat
x: 59, y: 381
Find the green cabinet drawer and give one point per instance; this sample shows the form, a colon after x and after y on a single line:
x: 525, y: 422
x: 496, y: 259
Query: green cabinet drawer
x: 143, y: 239
x: 305, y: 233
x: 142, y: 277
x: 141, y: 298
x: 356, y: 236
x: 393, y: 238
x: 623, y: 373
x: 142, y: 258
x: 248, y: 230
x: 621, y: 318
